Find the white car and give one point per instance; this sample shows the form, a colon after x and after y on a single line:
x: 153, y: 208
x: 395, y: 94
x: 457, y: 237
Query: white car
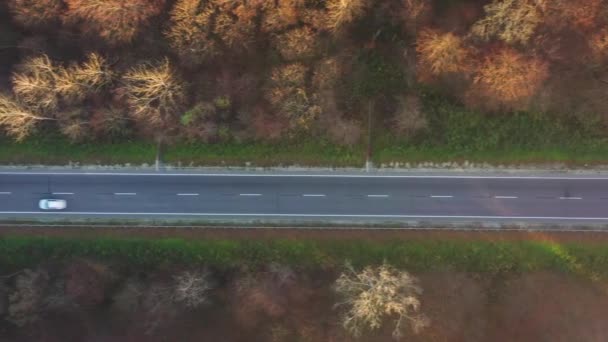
x: 52, y: 204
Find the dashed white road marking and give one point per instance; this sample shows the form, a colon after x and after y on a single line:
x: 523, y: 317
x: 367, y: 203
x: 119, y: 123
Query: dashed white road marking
x: 378, y: 196
x: 188, y: 194
x: 394, y: 216
x: 5, y: 193
x: 505, y: 197
x: 441, y: 196
x: 570, y: 198
x: 125, y: 193
x: 313, y: 195
x: 250, y: 194
x: 63, y: 193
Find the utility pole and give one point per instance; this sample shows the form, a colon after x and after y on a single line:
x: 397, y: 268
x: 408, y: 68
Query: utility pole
x: 159, y: 147
x: 368, y: 158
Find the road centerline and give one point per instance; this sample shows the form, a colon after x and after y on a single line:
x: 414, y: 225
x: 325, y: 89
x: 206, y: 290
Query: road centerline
x: 570, y: 198
x: 125, y: 193
x: 250, y: 195
x: 505, y: 197
x: 313, y: 195
x: 377, y: 195
x: 441, y: 196
x: 188, y: 194
x: 63, y: 193
x: 5, y: 193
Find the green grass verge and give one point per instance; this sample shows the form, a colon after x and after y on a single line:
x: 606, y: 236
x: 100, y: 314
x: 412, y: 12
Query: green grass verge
x: 453, y: 134
x: 56, y: 150
x: 416, y: 255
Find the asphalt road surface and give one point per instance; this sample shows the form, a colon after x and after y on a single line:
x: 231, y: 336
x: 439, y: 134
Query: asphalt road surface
x: 320, y: 197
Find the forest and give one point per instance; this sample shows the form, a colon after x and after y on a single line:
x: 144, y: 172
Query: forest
x: 213, y: 71
x: 95, y: 285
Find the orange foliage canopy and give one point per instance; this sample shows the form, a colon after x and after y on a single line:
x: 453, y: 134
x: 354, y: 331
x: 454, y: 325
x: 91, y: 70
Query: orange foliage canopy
x: 509, y: 78
x: 579, y: 14
x: 116, y: 21
x: 441, y: 53
x: 35, y: 13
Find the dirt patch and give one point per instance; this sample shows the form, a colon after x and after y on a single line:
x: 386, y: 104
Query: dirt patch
x: 553, y: 307
x: 295, y: 233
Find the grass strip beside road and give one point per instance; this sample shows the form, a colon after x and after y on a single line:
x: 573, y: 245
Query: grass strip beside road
x: 49, y: 151
x: 17, y: 252
x: 453, y: 134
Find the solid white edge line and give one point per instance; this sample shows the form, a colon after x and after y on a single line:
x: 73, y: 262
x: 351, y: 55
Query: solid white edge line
x: 570, y: 198
x: 441, y: 196
x: 294, y: 175
x: 314, y: 215
x: 63, y: 193
x: 313, y: 195
x: 125, y: 193
x: 378, y: 196
x: 505, y: 197
x: 250, y: 194
x: 188, y: 194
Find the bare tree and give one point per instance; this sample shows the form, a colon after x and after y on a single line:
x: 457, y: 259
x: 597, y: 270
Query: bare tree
x: 343, y: 12
x: 191, y: 288
x: 188, y: 31
x: 34, y: 83
x: 18, y: 121
x: 75, y: 82
x: 377, y: 293
x: 154, y: 93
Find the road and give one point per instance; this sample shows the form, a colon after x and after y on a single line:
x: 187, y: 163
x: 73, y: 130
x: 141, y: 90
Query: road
x: 309, y: 196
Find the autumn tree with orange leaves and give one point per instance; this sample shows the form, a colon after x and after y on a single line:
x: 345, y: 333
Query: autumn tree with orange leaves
x: 35, y: 14
x: 512, y: 21
x: 340, y: 13
x: 115, y: 21
x: 507, y: 78
x: 440, y: 53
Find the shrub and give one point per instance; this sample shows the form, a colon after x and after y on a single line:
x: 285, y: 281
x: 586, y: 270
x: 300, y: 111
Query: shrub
x: 409, y: 118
